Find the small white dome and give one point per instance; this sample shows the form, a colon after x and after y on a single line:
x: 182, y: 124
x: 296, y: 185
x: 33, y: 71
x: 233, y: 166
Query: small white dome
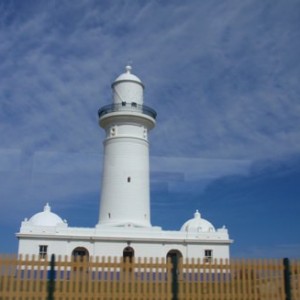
x: 127, y: 76
x: 197, y: 224
x: 46, y: 218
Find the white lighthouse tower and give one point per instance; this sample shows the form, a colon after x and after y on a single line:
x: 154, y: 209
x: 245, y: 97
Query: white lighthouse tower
x: 125, y: 194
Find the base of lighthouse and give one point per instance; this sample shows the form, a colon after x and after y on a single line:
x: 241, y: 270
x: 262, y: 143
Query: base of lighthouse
x: 46, y: 233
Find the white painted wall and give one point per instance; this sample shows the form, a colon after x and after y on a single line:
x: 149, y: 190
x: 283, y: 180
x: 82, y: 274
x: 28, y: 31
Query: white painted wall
x: 109, y: 241
x: 115, y: 248
x: 125, y: 194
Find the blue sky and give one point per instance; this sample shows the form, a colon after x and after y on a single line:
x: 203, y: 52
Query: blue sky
x: 223, y: 77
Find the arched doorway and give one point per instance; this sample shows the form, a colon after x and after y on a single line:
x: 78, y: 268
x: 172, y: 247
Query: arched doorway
x: 128, y: 254
x: 173, y: 256
x: 80, y: 254
x: 174, y: 253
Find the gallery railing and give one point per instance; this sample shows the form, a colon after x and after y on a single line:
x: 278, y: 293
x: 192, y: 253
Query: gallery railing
x: 127, y: 106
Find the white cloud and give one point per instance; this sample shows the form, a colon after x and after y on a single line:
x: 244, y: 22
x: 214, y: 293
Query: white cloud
x: 9, y: 160
x: 194, y: 169
x: 222, y: 76
x: 212, y: 75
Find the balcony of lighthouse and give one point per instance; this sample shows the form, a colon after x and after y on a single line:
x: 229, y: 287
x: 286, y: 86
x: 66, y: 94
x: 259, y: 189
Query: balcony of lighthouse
x: 124, y: 109
x: 125, y: 106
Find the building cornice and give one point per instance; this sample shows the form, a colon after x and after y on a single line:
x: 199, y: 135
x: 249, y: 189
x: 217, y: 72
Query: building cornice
x: 130, y: 238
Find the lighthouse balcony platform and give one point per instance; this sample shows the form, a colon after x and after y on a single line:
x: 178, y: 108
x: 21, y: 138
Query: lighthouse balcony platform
x: 127, y: 107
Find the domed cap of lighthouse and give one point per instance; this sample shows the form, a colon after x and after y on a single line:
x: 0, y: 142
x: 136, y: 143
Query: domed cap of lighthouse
x: 128, y: 88
x: 197, y: 224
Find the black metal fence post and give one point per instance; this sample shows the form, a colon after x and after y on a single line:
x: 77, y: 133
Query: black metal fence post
x: 51, y: 282
x: 287, y: 279
x: 174, y: 260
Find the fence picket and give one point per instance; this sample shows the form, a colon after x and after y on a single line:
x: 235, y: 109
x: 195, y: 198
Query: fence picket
x: 279, y: 272
x: 295, y: 279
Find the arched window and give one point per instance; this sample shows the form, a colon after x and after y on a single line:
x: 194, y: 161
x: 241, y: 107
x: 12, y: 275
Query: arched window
x: 128, y: 253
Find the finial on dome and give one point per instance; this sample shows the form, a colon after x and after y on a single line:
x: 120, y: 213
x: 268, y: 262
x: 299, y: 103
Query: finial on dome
x: 47, y: 207
x: 128, y: 68
x: 197, y: 214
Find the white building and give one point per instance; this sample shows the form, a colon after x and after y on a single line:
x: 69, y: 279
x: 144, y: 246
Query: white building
x: 124, y: 227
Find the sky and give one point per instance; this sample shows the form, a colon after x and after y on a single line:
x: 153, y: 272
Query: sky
x: 223, y: 77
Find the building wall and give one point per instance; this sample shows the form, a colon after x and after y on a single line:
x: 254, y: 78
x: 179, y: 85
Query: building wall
x: 115, y: 248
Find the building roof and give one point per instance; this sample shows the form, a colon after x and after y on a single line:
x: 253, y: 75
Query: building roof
x: 197, y: 224
x: 46, y: 218
x: 127, y: 76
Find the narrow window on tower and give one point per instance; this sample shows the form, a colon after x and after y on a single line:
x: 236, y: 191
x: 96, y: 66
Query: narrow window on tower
x: 128, y: 179
x: 113, y: 131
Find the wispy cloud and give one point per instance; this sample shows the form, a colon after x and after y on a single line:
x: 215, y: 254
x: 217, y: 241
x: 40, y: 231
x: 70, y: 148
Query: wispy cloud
x: 219, y: 80
x: 222, y: 76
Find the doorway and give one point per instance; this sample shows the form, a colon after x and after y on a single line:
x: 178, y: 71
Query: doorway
x: 128, y: 254
x: 80, y: 254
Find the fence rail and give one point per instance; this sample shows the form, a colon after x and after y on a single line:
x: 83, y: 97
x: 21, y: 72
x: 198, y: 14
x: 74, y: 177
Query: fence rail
x: 113, y: 278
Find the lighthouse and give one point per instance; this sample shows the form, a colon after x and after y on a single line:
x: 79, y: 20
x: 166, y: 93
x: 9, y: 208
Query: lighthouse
x: 125, y: 194
x: 124, y: 225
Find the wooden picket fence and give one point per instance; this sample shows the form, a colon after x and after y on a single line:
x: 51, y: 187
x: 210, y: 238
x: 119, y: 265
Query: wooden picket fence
x: 113, y: 278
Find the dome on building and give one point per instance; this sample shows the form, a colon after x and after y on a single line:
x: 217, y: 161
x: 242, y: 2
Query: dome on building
x: 127, y: 76
x: 46, y: 218
x: 197, y: 224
